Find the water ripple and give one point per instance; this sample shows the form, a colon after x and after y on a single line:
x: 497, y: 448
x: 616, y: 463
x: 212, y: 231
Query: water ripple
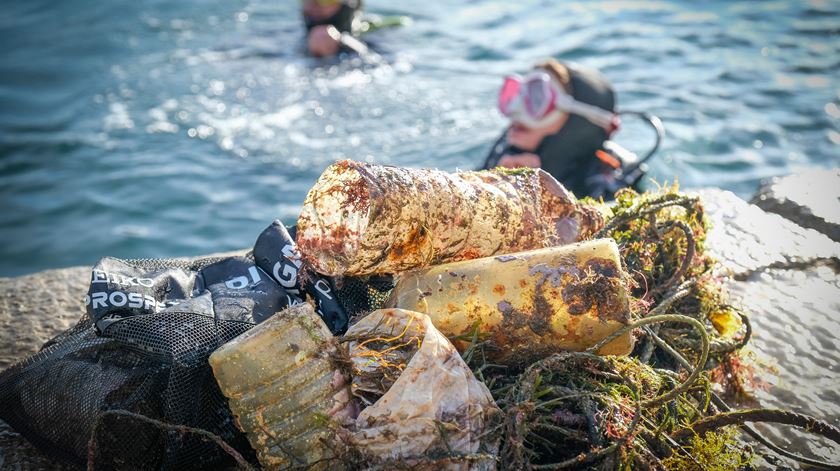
x: 116, y: 116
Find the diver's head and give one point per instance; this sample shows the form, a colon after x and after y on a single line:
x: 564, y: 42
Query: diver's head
x: 551, y: 98
x: 338, y: 13
x: 325, y: 20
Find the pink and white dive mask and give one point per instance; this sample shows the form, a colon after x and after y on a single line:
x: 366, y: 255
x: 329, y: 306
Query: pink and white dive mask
x: 537, y: 101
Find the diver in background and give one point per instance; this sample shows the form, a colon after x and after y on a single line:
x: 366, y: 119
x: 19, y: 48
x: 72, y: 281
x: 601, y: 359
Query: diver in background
x: 561, y: 115
x: 333, y: 26
x: 327, y: 20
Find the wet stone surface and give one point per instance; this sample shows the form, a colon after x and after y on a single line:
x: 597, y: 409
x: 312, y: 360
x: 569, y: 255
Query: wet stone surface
x: 794, y: 314
x: 786, y: 278
x: 745, y: 238
x: 810, y: 199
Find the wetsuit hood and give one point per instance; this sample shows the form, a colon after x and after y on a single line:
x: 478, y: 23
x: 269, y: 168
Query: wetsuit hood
x: 569, y: 154
x: 590, y: 87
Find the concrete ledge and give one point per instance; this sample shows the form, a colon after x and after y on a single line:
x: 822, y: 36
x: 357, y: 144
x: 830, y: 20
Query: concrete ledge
x: 745, y: 238
x: 35, y: 308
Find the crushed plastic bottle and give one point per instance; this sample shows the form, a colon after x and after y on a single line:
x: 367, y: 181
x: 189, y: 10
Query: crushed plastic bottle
x: 530, y: 303
x: 283, y: 388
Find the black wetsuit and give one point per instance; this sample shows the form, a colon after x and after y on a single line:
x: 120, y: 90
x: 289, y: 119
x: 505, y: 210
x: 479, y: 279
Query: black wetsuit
x: 569, y: 155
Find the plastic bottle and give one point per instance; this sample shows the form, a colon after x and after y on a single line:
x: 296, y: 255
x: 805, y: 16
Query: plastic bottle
x: 362, y: 219
x: 559, y: 298
x: 279, y: 380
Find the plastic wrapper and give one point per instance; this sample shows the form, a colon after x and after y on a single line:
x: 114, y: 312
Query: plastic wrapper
x: 364, y: 219
x: 283, y: 388
x: 530, y: 303
x: 288, y: 395
x: 434, y: 413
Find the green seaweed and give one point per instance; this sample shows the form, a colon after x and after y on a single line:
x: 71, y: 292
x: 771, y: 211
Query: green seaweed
x: 578, y: 410
x: 715, y: 451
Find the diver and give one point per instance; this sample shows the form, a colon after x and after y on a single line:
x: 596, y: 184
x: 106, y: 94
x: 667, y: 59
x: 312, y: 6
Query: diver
x: 333, y: 26
x: 326, y: 21
x: 562, y: 116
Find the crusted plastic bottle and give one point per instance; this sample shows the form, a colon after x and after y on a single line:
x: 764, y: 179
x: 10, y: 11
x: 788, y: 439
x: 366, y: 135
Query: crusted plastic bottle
x: 558, y: 298
x: 361, y: 219
x: 279, y: 380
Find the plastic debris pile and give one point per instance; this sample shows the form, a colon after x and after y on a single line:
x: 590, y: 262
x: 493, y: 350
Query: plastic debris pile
x: 412, y: 319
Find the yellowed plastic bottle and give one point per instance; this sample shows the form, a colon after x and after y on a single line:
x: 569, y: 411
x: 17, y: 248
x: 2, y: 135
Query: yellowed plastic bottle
x: 278, y: 378
x: 530, y: 303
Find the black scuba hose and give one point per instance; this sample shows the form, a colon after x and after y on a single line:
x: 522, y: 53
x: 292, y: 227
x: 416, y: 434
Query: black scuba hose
x: 631, y: 173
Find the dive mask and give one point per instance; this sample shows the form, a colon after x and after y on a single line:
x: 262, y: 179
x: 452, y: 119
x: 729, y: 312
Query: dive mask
x: 536, y: 101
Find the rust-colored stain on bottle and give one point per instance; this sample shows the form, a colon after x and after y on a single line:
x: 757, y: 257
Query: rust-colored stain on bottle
x: 558, y: 298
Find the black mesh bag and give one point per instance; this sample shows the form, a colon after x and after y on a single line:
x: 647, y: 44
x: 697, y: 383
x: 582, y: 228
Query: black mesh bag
x: 141, y: 348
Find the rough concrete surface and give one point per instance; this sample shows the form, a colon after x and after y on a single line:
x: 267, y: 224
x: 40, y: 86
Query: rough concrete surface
x: 34, y: 308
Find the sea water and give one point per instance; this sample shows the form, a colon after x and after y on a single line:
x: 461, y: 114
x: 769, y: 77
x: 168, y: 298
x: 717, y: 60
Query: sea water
x: 161, y: 129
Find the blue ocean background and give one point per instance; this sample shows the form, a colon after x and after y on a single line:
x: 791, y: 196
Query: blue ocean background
x: 162, y: 129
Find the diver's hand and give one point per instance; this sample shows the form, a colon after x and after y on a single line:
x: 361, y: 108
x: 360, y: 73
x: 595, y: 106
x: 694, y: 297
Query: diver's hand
x: 520, y: 160
x: 323, y: 41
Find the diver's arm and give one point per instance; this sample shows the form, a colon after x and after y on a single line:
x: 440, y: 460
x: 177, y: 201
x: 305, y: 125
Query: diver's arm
x: 526, y: 159
x: 500, y: 148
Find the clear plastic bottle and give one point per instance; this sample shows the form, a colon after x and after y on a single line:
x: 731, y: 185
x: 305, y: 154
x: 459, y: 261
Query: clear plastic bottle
x: 535, y: 302
x: 279, y: 379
